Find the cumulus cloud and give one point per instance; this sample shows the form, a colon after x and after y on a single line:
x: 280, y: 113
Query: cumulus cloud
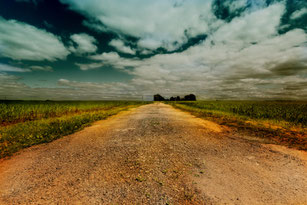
x: 120, y: 46
x: 85, y: 43
x: 111, y: 59
x: 244, y: 59
x: 21, y: 41
x: 169, y: 22
x: 114, y: 59
x: 235, y: 5
x: 149, y: 43
x: 252, y: 27
x: 298, y: 14
x: 90, y: 66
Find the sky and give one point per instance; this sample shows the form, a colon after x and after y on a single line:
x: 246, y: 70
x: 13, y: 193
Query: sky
x: 133, y: 49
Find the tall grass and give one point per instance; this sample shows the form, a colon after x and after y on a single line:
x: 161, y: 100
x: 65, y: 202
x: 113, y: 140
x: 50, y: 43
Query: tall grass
x: 279, y: 121
x: 289, y: 111
x: 28, y: 123
x: 21, y: 111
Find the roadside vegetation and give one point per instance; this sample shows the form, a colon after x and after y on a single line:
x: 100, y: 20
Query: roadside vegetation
x: 27, y: 123
x: 284, y: 122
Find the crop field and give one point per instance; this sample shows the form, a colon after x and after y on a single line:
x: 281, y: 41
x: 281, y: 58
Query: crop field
x: 283, y: 121
x: 292, y: 112
x: 27, y: 123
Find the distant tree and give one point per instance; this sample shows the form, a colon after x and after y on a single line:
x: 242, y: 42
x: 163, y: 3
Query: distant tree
x: 158, y: 97
x: 190, y: 97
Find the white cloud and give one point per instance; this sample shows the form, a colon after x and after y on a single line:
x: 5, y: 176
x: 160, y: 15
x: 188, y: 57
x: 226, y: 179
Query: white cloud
x: 251, y: 61
x: 21, y: 41
x: 170, y: 23
x: 90, y: 66
x: 235, y: 5
x: 251, y: 28
x: 149, y: 43
x: 114, y: 59
x: 111, y: 59
x: 257, y: 4
x: 112, y: 56
x: 245, y: 58
x: 8, y: 68
x: 298, y: 14
x: 85, y: 43
x: 120, y: 46
x: 165, y: 21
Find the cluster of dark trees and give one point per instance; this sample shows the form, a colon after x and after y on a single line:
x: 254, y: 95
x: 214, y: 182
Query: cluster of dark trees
x: 190, y: 97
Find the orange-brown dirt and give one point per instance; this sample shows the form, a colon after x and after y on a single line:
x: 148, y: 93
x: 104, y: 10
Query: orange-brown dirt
x: 155, y: 154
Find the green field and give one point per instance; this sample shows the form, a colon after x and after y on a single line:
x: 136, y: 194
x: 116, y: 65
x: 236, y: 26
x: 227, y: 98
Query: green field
x: 27, y: 123
x: 294, y: 113
x: 284, y: 122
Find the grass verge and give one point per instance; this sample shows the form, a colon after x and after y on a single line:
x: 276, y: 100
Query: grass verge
x: 18, y: 136
x: 279, y: 132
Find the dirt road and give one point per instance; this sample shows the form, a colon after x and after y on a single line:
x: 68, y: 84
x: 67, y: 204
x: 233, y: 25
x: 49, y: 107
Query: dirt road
x: 155, y: 154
